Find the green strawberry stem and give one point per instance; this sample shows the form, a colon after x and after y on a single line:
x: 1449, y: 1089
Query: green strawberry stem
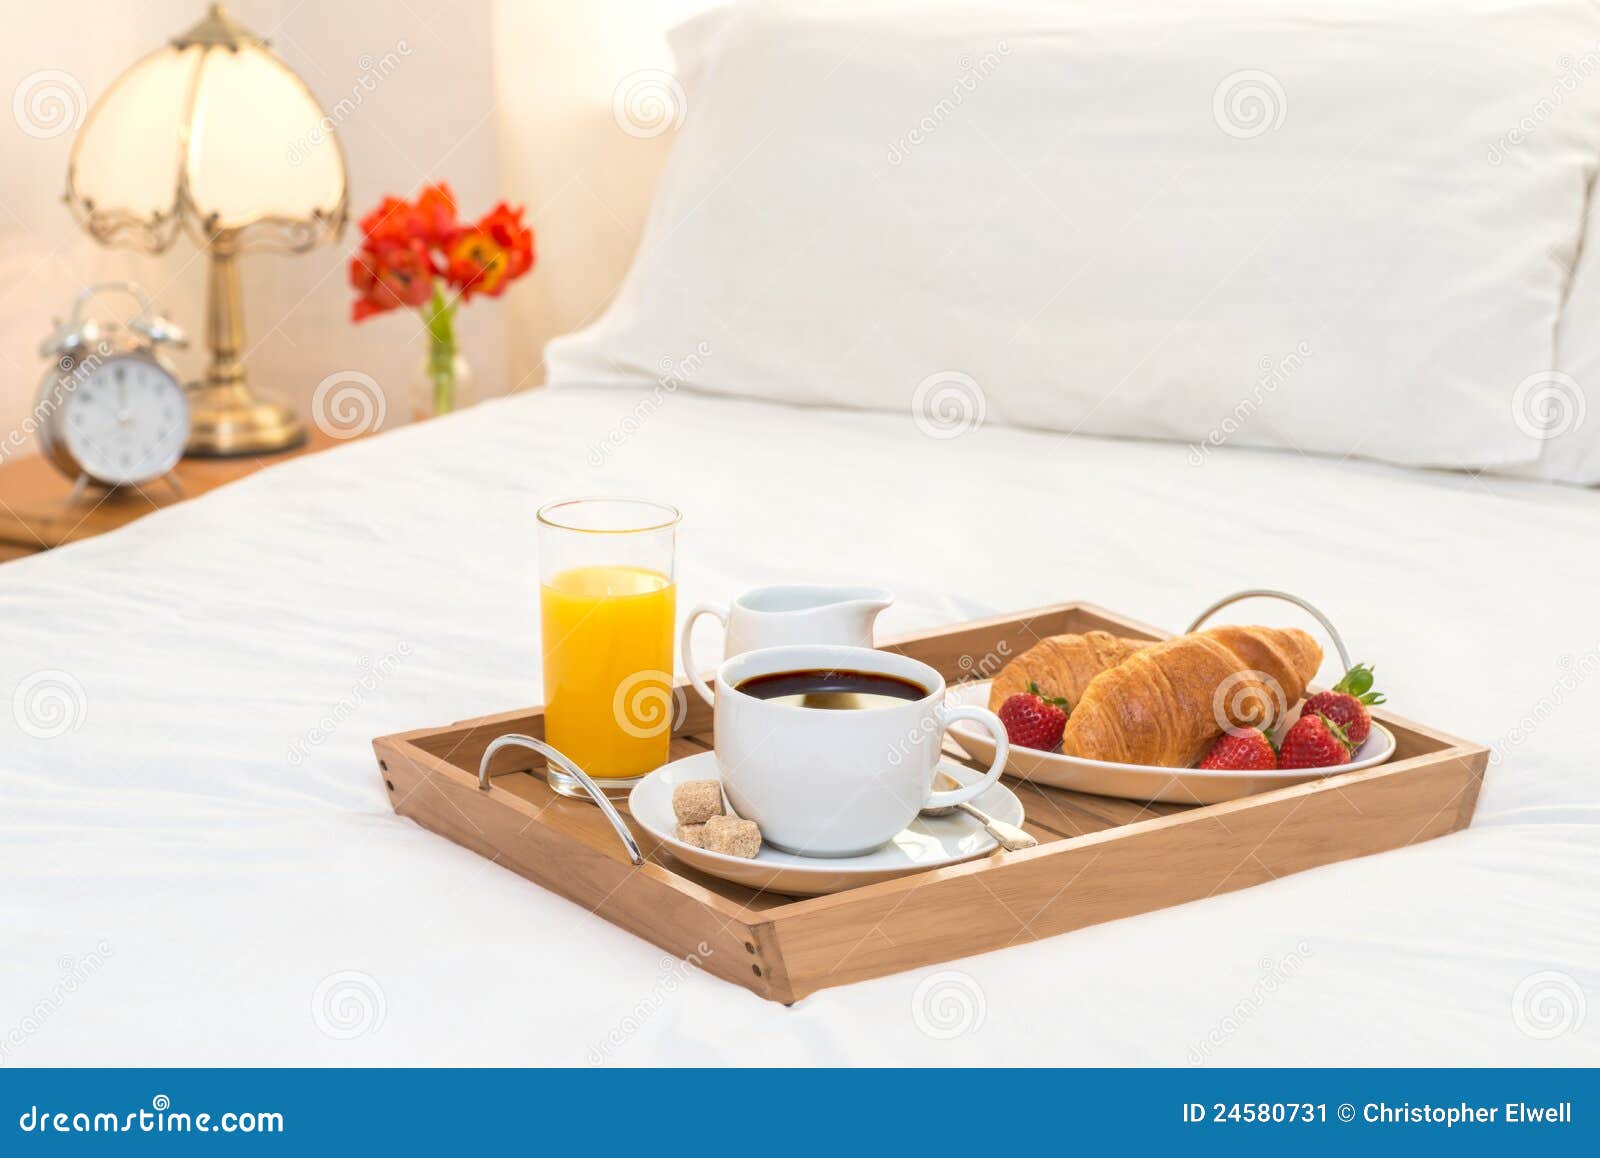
x: 1357, y: 682
x: 1339, y: 733
x: 1058, y: 701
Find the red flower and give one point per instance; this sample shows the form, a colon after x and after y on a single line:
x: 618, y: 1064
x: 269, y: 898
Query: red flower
x: 482, y: 258
x: 389, y: 275
x: 504, y: 224
x: 407, y: 245
x: 393, y: 221
x: 436, y: 214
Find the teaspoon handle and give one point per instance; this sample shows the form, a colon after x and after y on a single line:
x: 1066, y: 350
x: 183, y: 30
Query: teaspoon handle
x: 1011, y: 837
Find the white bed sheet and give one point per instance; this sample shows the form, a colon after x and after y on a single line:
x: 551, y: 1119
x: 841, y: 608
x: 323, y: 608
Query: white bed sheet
x: 226, y: 854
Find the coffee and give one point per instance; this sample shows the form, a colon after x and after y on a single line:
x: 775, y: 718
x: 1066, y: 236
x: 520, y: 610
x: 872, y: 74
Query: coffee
x: 832, y: 689
x: 839, y: 782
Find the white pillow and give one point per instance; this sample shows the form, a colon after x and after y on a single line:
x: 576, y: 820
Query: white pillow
x: 1560, y: 407
x: 1337, y: 227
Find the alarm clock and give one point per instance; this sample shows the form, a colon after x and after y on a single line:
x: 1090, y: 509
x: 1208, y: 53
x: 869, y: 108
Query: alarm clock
x: 111, y: 408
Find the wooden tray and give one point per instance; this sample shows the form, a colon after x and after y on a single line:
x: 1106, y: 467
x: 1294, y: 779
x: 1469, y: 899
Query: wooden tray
x: 1098, y: 858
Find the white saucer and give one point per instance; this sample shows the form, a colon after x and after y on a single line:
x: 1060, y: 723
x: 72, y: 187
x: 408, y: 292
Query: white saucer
x: 1140, y: 781
x: 929, y: 842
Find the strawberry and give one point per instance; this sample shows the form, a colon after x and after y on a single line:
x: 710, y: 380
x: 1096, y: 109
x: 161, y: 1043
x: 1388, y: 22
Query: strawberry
x: 1314, y: 742
x: 1033, y: 719
x: 1246, y: 749
x: 1346, y: 704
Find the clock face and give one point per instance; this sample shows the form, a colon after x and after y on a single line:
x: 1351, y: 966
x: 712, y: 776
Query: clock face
x: 127, y: 421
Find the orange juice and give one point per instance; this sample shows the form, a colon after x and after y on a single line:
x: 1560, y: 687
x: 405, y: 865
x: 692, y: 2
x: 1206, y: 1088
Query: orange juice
x: 608, y: 667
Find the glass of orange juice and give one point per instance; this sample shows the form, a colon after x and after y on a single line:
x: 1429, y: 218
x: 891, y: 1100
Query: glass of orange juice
x: 606, y: 601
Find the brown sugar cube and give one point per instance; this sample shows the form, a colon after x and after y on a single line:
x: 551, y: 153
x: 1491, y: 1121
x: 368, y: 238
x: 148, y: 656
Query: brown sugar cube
x: 734, y: 836
x: 697, y: 801
x: 694, y: 834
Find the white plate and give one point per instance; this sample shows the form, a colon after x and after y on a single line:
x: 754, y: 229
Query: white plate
x: 1139, y: 781
x: 929, y: 842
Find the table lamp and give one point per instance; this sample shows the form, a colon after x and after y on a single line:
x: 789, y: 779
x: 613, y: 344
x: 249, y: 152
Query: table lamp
x: 213, y: 135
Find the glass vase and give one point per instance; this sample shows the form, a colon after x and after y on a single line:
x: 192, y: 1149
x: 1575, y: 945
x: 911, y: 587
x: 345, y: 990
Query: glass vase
x: 444, y: 380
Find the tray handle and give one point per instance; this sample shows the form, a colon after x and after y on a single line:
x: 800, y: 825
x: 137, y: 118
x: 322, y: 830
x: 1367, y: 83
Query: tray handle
x: 1267, y: 593
x: 556, y: 757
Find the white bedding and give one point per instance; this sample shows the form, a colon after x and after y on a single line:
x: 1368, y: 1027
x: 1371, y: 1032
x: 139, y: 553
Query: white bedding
x: 201, y: 855
x: 1161, y: 219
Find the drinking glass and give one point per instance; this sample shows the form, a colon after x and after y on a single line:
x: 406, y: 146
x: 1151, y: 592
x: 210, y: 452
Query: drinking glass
x: 606, y: 599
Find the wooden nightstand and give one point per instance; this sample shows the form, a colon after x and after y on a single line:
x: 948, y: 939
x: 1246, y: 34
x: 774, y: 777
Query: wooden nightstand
x: 35, y: 514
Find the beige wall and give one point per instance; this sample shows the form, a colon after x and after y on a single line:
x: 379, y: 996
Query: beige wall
x: 586, y: 179
x: 502, y: 98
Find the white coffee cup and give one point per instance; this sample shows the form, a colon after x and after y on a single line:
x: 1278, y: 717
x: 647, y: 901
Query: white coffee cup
x: 834, y: 783
x: 787, y: 613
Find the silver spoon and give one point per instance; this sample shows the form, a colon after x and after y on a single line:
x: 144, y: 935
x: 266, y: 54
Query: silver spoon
x: 1011, y: 837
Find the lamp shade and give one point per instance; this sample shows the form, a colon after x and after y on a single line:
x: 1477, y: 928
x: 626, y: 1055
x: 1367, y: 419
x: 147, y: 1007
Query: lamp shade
x: 214, y: 134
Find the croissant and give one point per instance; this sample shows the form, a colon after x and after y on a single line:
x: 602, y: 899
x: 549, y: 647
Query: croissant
x: 1164, y: 705
x: 1061, y: 665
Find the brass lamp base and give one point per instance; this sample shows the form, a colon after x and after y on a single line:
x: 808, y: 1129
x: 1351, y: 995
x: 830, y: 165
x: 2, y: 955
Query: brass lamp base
x: 228, y: 421
x: 225, y: 419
